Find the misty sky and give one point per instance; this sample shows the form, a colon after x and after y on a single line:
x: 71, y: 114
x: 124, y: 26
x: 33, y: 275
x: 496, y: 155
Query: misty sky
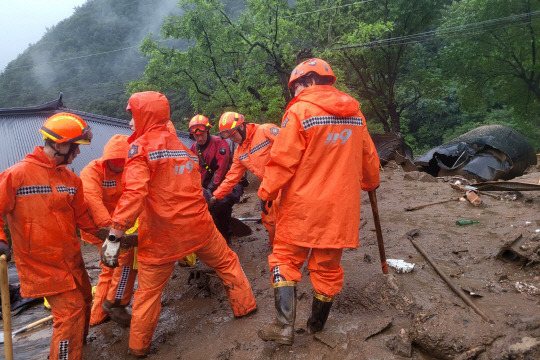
x: 24, y: 22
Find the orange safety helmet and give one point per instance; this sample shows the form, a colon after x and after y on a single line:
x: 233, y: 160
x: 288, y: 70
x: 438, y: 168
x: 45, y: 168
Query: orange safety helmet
x: 66, y: 128
x: 229, y: 123
x: 315, y: 65
x: 199, y: 124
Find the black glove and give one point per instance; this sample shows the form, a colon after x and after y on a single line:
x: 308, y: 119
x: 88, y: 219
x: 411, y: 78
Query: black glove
x: 129, y: 240
x: 244, y: 181
x: 264, y: 205
x: 103, y: 232
x: 211, y: 187
x: 212, y: 202
x: 4, y: 249
x: 207, y: 195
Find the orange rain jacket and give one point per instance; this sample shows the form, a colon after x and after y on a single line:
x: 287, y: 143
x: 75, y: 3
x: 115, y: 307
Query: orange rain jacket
x: 162, y: 183
x: 252, y: 155
x: 44, y: 205
x: 321, y: 160
x: 102, y: 187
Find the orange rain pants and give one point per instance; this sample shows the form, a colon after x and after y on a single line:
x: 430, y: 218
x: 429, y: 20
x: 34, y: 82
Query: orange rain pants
x: 269, y: 221
x: 153, y: 278
x: 71, y: 316
x: 115, y: 285
x: 325, y: 273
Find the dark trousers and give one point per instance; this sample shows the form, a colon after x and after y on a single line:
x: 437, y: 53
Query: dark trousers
x: 221, y: 213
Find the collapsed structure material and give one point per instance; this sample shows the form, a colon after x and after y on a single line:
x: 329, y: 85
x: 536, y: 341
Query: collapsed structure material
x: 490, y: 152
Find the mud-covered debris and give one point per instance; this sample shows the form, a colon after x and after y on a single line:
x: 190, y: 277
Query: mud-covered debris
x: 427, y: 178
x: 446, y: 335
x: 522, y: 248
x: 391, y: 146
x: 400, y: 344
x: 400, y: 266
x: 512, y: 186
x: 524, y: 347
x: 376, y: 327
x: 526, y: 288
x: 486, y: 153
x: 412, y: 176
x: 473, y: 198
x: 471, y: 354
x: 330, y: 339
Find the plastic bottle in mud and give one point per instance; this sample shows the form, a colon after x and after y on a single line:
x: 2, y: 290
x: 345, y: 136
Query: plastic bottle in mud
x: 466, y: 222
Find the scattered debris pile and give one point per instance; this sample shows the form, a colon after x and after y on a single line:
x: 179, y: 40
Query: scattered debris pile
x: 486, y: 153
x: 522, y: 249
x: 391, y: 146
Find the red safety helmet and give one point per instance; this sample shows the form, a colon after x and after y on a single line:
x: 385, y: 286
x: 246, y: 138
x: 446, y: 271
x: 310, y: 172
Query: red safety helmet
x: 229, y: 123
x: 315, y: 65
x: 199, y: 124
x: 66, y: 128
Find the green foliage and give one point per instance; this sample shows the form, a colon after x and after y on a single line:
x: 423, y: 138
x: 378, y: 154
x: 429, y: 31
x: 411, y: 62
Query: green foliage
x: 496, y: 65
x: 236, y: 55
x: 75, y: 57
x: 386, y: 78
x: 240, y: 65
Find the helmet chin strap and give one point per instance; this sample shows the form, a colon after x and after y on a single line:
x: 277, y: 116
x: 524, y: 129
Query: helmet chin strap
x: 71, y: 151
x: 242, y: 132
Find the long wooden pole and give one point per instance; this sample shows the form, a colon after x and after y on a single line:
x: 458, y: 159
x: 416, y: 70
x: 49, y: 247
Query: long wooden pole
x: 6, y: 308
x: 377, y: 221
x: 429, y: 204
x: 456, y: 289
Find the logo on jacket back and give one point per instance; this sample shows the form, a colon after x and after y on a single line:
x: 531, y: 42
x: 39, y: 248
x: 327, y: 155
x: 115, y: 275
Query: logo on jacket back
x: 133, y: 151
x: 274, y: 131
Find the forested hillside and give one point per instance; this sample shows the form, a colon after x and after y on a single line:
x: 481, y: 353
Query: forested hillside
x: 430, y: 70
x: 90, y: 57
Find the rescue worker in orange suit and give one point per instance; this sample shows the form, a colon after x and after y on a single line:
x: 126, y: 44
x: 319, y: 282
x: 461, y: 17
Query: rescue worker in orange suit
x: 103, y: 186
x: 253, y: 152
x: 162, y: 184
x: 322, y: 152
x: 44, y: 205
x: 214, y: 156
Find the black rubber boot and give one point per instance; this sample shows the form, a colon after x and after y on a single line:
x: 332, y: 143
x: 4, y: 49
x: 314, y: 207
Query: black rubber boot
x: 319, y: 314
x: 117, y: 313
x: 282, y: 329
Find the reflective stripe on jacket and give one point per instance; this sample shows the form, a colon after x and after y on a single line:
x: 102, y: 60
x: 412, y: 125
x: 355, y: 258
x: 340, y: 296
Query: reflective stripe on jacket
x: 44, y: 205
x: 252, y: 155
x: 162, y: 183
x: 321, y: 160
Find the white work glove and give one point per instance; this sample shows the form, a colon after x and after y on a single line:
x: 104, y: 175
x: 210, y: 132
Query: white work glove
x: 110, y: 251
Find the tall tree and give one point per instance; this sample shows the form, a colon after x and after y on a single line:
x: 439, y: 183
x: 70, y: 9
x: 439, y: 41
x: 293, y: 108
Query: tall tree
x: 233, y: 61
x: 493, y: 49
x: 384, y: 69
x: 243, y: 61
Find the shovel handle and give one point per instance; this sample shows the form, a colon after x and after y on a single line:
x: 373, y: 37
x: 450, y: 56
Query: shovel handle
x: 6, y: 307
x: 377, y: 221
x: 34, y: 324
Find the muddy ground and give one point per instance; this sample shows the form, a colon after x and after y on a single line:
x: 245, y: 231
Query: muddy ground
x: 397, y: 316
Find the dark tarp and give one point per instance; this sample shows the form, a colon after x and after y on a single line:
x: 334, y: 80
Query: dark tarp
x: 391, y: 146
x: 486, y: 153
